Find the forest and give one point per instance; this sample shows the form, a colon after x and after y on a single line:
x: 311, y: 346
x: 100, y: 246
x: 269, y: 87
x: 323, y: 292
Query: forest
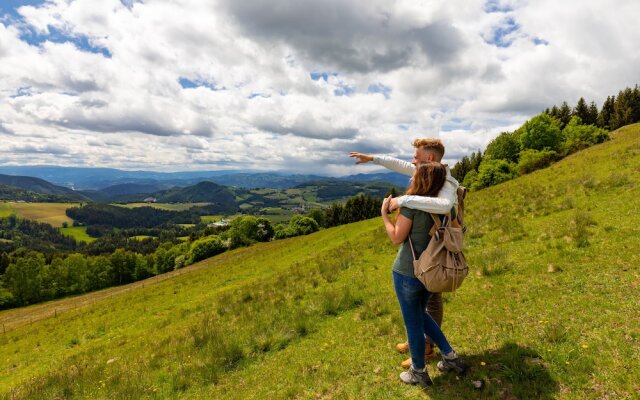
x: 38, y: 263
x: 546, y: 138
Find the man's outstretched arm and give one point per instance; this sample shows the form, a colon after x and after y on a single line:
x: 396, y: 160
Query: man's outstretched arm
x: 393, y: 164
x: 438, y: 205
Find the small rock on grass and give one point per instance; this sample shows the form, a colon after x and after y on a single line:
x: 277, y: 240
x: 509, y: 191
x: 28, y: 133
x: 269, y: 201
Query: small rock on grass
x: 478, y: 384
x: 552, y: 268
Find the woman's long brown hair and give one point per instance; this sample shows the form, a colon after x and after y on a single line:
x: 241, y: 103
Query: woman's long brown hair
x: 428, y: 179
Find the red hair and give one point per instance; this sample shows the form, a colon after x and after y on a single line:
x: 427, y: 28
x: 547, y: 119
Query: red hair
x: 428, y: 179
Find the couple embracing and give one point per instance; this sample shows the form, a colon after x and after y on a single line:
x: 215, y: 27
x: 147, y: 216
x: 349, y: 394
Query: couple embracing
x: 432, y: 190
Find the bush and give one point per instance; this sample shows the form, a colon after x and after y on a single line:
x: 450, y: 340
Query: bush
x: 470, y: 179
x: 6, y: 299
x: 303, y: 225
x: 504, y: 147
x: 541, y: 132
x: 318, y: 215
x: 205, y: 248
x: 493, y: 172
x: 531, y: 160
x: 246, y: 230
x: 578, y: 136
x: 23, y: 278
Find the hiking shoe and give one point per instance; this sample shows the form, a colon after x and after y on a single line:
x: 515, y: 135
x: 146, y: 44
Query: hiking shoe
x: 402, y: 347
x: 454, y: 363
x: 429, y: 354
x: 415, y: 377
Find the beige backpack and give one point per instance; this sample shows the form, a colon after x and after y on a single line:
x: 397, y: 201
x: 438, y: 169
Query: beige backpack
x: 442, y: 266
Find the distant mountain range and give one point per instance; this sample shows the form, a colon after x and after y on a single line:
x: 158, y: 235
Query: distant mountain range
x: 324, y: 190
x: 110, y: 180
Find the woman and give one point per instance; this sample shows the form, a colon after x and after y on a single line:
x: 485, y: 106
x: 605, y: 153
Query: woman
x: 427, y: 180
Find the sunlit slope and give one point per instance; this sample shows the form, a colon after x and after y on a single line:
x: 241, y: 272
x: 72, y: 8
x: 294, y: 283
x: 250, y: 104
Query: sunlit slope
x: 549, y: 311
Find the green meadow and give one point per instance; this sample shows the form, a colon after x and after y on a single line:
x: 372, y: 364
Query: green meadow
x: 549, y: 310
x: 6, y: 209
x: 79, y: 233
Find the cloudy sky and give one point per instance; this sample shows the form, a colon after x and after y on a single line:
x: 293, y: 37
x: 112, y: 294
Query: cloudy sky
x: 293, y: 85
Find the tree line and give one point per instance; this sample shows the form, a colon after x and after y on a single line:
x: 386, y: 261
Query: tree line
x: 546, y: 138
x: 29, y: 276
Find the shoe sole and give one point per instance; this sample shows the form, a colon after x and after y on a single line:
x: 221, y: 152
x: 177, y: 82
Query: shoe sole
x: 459, y: 370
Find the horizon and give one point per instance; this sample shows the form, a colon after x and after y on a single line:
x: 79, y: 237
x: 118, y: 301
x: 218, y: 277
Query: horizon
x: 293, y: 86
x: 377, y: 170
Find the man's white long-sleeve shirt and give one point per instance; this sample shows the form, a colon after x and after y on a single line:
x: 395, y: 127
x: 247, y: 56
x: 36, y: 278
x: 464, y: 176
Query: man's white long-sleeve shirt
x: 442, y: 204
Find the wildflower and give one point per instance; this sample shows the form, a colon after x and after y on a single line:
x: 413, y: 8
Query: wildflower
x: 483, y: 363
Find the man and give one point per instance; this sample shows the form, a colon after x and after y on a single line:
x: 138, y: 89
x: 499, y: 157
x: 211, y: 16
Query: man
x: 425, y: 150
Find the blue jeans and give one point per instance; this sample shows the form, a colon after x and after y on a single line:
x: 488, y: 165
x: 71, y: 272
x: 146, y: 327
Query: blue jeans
x: 413, y: 298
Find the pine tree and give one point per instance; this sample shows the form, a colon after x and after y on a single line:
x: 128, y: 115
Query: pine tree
x: 564, y: 115
x: 634, y: 103
x: 593, y: 114
x: 459, y: 171
x: 4, y: 262
x: 622, y: 111
x: 476, y: 159
x: 604, y: 118
x: 582, y: 111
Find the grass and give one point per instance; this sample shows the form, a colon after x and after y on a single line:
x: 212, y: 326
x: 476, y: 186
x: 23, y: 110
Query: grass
x: 549, y: 310
x: 207, y: 219
x: 6, y: 209
x: 142, y: 237
x: 79, y: 233
x: 48, y: 213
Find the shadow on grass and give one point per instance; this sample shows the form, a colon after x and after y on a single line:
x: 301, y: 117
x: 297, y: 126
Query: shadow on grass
x: 511, y: 372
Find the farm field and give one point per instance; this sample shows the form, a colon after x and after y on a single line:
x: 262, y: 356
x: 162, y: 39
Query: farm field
x: 78, y: 232
x: 549, y: 310
x: 48, y: 213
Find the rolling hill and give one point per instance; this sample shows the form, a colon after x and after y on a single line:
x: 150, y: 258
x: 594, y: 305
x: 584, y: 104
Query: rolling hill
x: 549, y: 311
x: 125, y: 192
x: 41, y: 186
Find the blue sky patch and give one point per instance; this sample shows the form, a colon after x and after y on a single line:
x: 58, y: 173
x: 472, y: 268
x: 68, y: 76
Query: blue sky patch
x: 380, y: 88
x: 55, y: 35
x: 455, y: 124
x: 191, y: 84
x: 23, y: 91
x: 129, y: 3
x: 494, y: 6
x: 501, y: 34
x: 10, y: 7
x: 317, y: 75
x: 344, y: 90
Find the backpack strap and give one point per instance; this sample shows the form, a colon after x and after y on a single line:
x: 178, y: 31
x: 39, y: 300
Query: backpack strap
x: 461, y: 192
x: 434, y: 231
x: 413, y: 253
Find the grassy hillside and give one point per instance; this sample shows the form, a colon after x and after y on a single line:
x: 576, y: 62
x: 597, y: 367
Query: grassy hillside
x: 550, y: 309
